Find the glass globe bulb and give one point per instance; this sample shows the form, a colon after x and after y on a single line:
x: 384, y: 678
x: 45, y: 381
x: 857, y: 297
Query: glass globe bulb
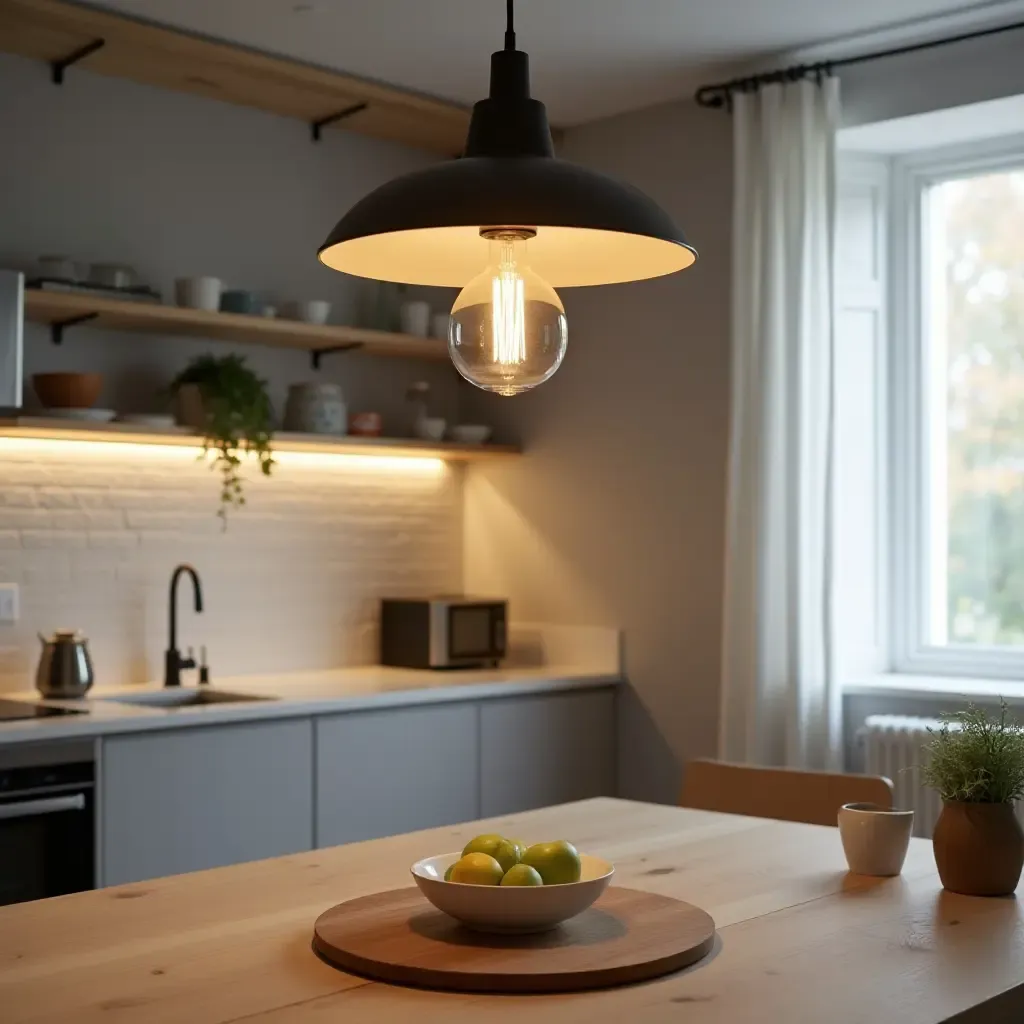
x: 508, y: 331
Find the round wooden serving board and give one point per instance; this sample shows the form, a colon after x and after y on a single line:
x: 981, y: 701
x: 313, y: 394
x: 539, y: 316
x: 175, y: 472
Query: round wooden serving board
x: 626, y: 936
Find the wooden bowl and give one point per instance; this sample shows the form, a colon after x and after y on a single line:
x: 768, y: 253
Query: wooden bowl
x: 68, y: 390
x: 511, y: 909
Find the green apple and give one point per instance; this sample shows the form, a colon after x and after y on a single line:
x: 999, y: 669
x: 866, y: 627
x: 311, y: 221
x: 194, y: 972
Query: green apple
x: 501, y: 849
x: 486, y: 843
x: 522, y: 874
x: 506, y: 854
x: 557, y: 863
x: 477, y: 869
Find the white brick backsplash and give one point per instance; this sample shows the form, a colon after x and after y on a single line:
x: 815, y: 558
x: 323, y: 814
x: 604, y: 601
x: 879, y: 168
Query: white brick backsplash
x: 19, y: 497
x: 293, y: 583
x: 53, y: 539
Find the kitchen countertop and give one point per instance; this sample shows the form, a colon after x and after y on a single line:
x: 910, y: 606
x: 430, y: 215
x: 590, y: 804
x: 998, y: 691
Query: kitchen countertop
x: 297, y: 694
x: 799, y: 939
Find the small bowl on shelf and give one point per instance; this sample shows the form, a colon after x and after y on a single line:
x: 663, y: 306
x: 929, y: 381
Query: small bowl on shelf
x: 511, y: 909
x: 238, y: 300
x: 68, y: 390
x: 365, y: 424
x: 470, y: 433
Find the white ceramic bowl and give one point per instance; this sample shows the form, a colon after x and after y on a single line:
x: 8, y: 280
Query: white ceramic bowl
x: 470, y: 433
x: 511, y: 908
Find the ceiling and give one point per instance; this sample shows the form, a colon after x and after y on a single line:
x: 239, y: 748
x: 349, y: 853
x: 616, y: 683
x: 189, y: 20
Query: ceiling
x: 590, y: 58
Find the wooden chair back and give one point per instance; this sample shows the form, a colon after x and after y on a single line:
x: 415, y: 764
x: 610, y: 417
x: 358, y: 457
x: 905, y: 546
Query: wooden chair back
x: 786, y: 794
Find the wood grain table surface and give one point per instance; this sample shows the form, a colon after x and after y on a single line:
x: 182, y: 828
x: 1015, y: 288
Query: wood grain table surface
x: 800, y: 940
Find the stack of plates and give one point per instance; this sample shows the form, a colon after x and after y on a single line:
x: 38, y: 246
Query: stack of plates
x: 95, y: 415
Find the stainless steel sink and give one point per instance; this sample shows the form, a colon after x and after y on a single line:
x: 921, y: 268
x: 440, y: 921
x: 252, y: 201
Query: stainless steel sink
x: 184, y: 698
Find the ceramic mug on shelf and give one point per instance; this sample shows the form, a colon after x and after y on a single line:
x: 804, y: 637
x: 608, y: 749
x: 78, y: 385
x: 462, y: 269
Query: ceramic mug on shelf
x: 415, y: 317
x: 439, y: 323
x: 430, y: 428
x: 875, y: 840
x: 310, y: 311
x: 199, y: 292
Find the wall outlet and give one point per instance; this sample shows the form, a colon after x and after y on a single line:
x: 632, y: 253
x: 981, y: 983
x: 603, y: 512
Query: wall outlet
x: 8, y: 602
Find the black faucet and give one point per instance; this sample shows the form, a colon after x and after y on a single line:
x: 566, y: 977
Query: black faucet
x: 173, y: 661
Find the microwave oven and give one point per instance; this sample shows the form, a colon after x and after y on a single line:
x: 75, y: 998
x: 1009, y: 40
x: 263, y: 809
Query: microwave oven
x: 442, y: 632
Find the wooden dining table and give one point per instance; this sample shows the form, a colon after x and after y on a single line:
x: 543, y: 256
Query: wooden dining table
x: 799, y: 939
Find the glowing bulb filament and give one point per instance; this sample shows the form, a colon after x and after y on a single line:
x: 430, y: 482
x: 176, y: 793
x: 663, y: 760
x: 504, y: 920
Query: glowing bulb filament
x: 508, y: 311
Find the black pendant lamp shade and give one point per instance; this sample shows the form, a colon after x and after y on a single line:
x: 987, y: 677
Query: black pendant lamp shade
x: 424, y: 228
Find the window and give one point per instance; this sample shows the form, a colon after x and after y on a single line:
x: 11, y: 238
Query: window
x: 956, y: 404
x: 973, y: 335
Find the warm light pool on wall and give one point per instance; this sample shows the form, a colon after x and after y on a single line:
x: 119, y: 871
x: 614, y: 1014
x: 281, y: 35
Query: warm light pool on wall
x: 185, y: 451
x: 507, y: 223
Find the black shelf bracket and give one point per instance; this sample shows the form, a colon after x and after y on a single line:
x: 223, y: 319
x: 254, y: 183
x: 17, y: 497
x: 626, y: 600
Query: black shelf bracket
x: 315, y: 354
x: 315, y: 126
x: 58, y: 67
x: 57, y: 327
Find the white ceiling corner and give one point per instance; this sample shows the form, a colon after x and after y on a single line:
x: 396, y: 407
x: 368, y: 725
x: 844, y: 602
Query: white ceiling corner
x: 590, y: 58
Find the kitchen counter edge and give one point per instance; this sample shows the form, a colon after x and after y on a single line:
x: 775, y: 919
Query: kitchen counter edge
x: 107, y: 717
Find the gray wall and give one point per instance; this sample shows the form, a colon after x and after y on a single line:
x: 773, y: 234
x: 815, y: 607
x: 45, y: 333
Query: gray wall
x: 616, y: 515
x: 105, y: 170
x: 950, y: 76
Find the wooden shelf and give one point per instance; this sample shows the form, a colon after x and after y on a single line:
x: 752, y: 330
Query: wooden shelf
x: 47, y: 429
x: 54, y: 31
x: 65, y: 308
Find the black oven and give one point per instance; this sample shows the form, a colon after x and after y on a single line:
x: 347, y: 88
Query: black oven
x: 47, y: 821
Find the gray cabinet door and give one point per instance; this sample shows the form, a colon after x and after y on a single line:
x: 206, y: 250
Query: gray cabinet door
x: 202, y: 797
x: 380, y: 773
x: 548, y: 749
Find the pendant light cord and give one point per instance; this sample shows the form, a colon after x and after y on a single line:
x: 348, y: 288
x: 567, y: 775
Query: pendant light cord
x: 510, y: 27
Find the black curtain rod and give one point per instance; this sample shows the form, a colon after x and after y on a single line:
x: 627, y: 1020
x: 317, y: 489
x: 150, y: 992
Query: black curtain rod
x: 720, y: 94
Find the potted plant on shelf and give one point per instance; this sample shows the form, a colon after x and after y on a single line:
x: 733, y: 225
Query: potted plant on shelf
x: 228, y: 404
x: 977, y: 766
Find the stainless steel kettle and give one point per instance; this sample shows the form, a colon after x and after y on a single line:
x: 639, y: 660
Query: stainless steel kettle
x: 65, y: 669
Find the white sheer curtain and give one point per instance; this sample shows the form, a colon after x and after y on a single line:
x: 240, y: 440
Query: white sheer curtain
x: 780, y: 704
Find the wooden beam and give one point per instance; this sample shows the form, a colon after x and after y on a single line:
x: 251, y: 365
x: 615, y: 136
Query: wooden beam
x: 53, y: 30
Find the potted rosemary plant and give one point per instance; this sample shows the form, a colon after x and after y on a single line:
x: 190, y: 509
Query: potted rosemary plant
x: 228, y: 404
x: 977, y: 766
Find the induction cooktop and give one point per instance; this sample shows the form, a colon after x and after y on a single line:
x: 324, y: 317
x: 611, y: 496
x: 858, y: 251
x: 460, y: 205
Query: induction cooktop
x: 13, y: 709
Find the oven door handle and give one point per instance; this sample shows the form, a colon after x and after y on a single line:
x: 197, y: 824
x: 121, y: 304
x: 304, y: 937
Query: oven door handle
x: 47, y: 805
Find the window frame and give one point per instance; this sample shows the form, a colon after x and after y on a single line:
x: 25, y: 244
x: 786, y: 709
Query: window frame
x: 909, y: 413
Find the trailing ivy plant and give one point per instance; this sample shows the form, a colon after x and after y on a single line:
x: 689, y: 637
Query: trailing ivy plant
x: 975, y: 759
x: 237, y: 420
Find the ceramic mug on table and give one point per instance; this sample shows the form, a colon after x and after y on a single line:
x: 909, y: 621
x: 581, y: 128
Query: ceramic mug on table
x: 875, y: 840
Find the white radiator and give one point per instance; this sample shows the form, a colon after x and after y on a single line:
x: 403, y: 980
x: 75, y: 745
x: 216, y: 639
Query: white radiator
x: 893, y: 748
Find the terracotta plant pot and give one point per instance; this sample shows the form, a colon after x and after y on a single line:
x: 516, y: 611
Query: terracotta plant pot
x: 979, y: 848
x: 68, y: 390
x: 188, y: 407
